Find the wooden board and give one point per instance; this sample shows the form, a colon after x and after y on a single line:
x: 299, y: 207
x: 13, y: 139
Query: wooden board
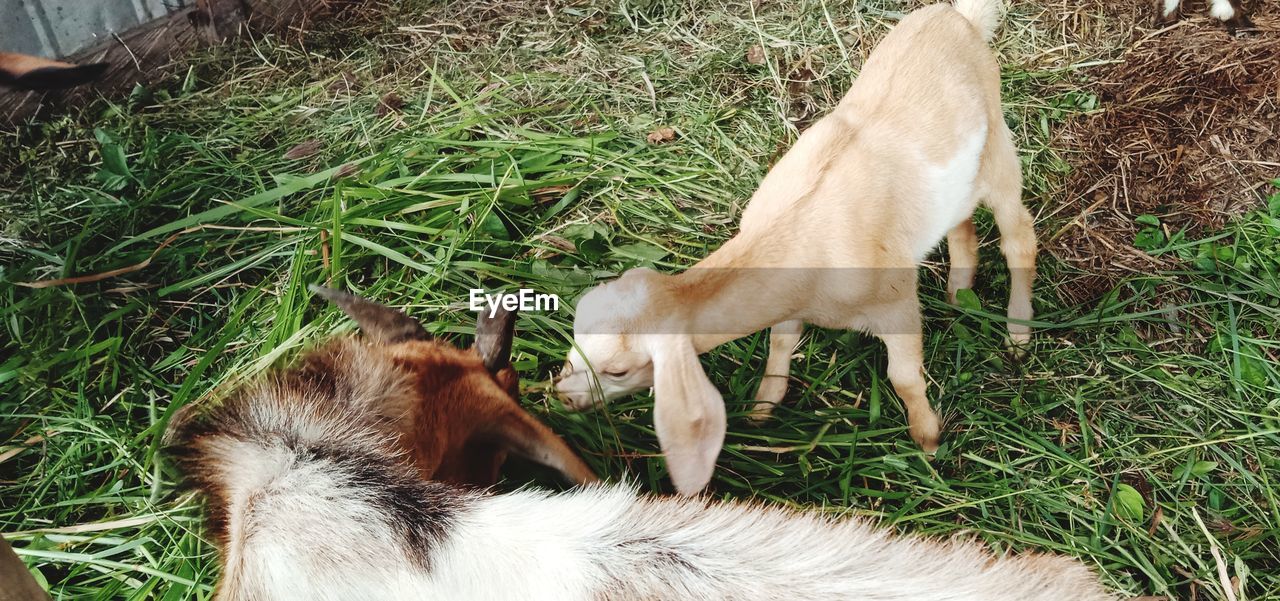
x: 145, y: 53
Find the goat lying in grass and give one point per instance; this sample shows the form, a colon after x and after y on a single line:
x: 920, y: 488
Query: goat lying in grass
x: 455, y: 409
x: 833, y: 237
x: 309, y: 498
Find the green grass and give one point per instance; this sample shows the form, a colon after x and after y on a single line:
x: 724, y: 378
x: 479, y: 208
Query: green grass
x: 1138, y: 433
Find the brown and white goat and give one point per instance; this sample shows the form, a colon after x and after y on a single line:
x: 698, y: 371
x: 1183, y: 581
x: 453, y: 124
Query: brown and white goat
x: 311, y: 500
x: 27, y: 72
x: 833, y: 237
x: 455, y: 409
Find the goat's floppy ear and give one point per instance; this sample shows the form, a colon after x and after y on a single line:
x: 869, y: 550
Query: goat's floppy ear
x: 34, y: 73
x: 524, y: 435
x: 688, y: 413
x: 493, y: 338
x: 380, y: 323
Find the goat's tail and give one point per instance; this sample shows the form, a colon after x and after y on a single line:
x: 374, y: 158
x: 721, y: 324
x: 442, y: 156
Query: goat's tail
x: 984, y: 14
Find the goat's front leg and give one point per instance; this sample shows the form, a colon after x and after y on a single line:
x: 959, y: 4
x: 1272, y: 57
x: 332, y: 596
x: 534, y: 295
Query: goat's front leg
x: 898, y: 326
x: 783, y: 339
x: 1167, y: 11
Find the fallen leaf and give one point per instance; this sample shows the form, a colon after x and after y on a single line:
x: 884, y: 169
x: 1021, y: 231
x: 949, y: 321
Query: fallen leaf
x: 559, y: 243
x: 303, y: 150
x: 347, y: 82
x: 389, y: 103
x: 1221, y: 525
x: 550, y: 193
x: 799, y: 80
x: 345, y: 170
x: 661, y: 135
x: 755, y: 55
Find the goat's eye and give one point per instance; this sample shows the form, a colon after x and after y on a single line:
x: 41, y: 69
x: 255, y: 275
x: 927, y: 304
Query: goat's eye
x: 615, y: 373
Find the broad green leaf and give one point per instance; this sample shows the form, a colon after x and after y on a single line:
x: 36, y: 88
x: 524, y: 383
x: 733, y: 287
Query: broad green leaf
x: 968, y: 300
x: 1127, y: 503
x: 1253, y: 370
x: 1149, y: 238
x: 640, y: 251
x: 494, y: 227
x: 1202, y: 468
x: 114, y: 173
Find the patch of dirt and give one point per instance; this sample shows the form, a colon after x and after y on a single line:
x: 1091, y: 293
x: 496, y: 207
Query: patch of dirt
x: 1189, y: 131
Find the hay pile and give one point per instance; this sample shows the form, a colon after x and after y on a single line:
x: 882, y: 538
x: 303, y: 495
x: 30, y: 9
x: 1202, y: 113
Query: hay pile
x: 1189, y: 132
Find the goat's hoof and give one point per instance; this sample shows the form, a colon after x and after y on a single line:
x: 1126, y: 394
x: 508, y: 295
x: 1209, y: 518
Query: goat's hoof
x: 1238, y: 26
x: 762, y: 412
x: 768, y: 396
x: 1019, y: 342
x: 926, y: 431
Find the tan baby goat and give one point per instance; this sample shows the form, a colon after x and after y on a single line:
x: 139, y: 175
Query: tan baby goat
x: 833, y: 237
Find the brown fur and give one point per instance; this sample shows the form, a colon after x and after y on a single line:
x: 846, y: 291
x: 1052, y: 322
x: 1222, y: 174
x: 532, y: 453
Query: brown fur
x: 463, y: 420
x: 456, y: 419
x: 16, y: 583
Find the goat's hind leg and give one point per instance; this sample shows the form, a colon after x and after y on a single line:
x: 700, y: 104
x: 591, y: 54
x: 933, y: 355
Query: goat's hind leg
x: 1167, y: 11
x: 1002, y: 176
x: 783, y: 339
x: 962, y: 246
x: 1231, y: 13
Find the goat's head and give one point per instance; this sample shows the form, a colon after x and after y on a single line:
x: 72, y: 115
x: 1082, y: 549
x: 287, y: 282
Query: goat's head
x: 459, y: 417
x: 631, y: 334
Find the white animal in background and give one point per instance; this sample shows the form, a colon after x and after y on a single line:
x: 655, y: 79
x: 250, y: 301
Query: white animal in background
x: 833, y: 237
x: 1230, y: 12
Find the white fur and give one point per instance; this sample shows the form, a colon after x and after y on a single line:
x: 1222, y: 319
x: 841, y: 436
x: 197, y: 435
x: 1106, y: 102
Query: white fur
x: 1170, y: 6
x: 1222, y: 10
x: 306, y: 533
x: 302, y: 530
x: 609, y: 543
x: 949, y: 197
x: 984, y: 14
